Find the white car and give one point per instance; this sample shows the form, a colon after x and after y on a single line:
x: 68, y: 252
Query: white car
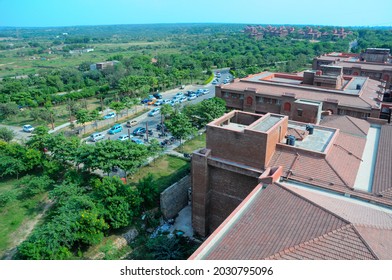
x: 183, y: 99
x: 109, y: 116
x: 154, y: 112
x: 28, y: 128
x: 158, y: 103
x: 206, y: 91
x: 123, y: 137
x: 192, y: 96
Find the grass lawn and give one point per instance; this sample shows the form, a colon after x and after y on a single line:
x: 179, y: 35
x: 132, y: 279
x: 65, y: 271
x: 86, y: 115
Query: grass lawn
x: 166, y: 170
x: 191, y: 145
x: 16, y: 215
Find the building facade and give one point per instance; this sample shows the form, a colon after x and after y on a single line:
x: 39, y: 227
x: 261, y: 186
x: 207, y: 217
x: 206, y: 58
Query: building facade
x: 305, y: 97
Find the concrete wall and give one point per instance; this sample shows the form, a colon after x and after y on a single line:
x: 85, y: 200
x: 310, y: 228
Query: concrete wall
x: 175, y: 197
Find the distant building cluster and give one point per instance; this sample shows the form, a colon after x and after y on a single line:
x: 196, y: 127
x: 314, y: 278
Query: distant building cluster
x: 103, y: 65
x: 307, y: 32
x: 81, y: 51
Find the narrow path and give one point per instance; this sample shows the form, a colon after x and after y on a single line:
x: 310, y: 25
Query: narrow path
x: 23, y: 232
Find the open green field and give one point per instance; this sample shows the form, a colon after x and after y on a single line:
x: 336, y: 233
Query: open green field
x: 17, y: 216
x: 166, y: 170
x: 195, y: 143
x: 12, y: 63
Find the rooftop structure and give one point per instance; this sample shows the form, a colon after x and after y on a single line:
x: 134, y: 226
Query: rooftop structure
x: 270, y: 188
x: 374, y: 63
x: 305, y: 96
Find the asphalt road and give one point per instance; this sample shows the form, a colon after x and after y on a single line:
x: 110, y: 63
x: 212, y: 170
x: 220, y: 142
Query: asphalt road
x: 151, y: 122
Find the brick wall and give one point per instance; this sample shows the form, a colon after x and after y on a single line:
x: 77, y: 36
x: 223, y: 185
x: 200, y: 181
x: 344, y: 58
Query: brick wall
x: 174, y: 198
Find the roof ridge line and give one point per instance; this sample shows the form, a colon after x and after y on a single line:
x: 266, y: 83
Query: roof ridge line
x: 337, y: 174
x: 350, y: 119
x: 311, y: 241
x: 373, y: 226
x: 360, y: 97
x: 313, y: 203
x: 365, y: 243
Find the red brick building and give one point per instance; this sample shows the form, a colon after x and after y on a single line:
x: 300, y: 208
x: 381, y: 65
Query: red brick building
x: 374, y: 63
x: 269, y: 188
x: 306, y: 96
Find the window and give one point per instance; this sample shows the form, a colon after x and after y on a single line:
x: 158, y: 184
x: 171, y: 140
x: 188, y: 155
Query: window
x: 225, y: 94
x: 241, y: 97
x: 259, y: 99
x: 299, y: 112
x: 278, y: 102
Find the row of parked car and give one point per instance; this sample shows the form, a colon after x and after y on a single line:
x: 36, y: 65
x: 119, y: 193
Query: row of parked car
x: 117, y: 128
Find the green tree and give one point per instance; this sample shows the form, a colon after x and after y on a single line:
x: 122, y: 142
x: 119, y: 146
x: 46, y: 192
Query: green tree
x: 6, y: 134
x: 180, y: 126
x: 83, y: 116
x: 149, y: 191
x: 121, y: 203
x: 8, y: 109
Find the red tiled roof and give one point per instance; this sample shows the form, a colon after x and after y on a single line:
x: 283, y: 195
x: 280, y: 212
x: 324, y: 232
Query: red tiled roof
x: 276, y: 220
x: 346, y: 124
x: 365, y: 101
x: 382, y: 183
x: 340, y: 244
x: 286, y: 222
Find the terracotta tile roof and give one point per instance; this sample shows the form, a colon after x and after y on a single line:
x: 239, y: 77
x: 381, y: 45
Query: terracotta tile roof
x: 347, y: 124
x: 382, y: 183
x: 353, y: 212
x: 365, y: 101
x: 276, y: 220
x: 340, y: 244
x: 307, y: 168
x: 345, y: 156
x: 287, y: 222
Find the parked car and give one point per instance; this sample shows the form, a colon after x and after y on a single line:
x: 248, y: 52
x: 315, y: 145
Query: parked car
x: 96, y: 137
x: 165, y: 101
x: 159, y: 127
x: 115, y: 129
x: 145, y: 101
x: 179, y: 95
x: 157, y: 95
x: 28, y: 128
x: 137, y: 141
x: 206, y: 91
x: 123, y: 137
x: 214, y: 82
x: 131, y: 123
x: 151, y: 102
x: 183, y: 99
x: 139, y: 131
x: 154, y: 112
x: 158, y: 103
x: 109, y: 116
x: 192, y: 96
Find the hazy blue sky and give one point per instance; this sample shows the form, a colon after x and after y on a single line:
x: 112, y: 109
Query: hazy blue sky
x: 96, y: 12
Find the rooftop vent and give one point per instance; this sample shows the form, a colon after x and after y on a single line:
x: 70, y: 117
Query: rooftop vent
x: 290, y: 140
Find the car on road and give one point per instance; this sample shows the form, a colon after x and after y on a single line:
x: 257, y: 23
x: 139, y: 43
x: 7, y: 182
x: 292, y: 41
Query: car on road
x: 183, y: 99
x: 154, y: 112
x: 28, y: 128
x: 115, y: 129
x: 214, y: 82
x: 165, y: 101
x: 139, y: 131
x: 137, y: 141
x: 152, y: 102
x: 145, y: 101
x: 206, y: 91
x: 95, y: 137
x: 157, y: 95
x: 179, y: 95
x: 123, y: 137
x: 109, y: 116
x: 158, y: 103
x: 131, y: 123
x: 192, y: 96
